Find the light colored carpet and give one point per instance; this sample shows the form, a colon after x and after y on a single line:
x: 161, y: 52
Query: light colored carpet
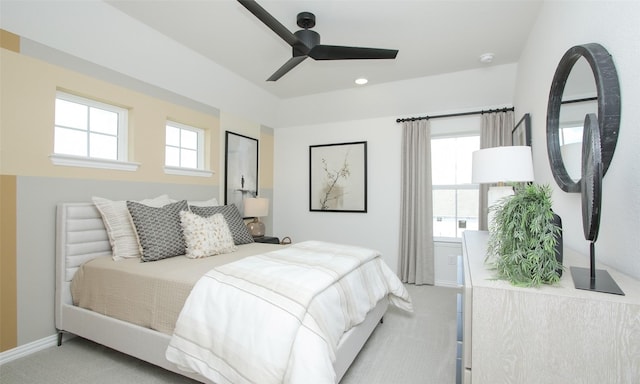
x: 418, y: 348
x: 405, y: 349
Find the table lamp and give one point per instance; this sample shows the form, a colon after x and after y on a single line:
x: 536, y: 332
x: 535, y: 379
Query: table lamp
x: 501, y: 165
x: 256, y: 207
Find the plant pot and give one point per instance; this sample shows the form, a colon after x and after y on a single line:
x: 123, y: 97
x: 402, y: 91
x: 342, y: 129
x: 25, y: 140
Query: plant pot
x: 558, y: 221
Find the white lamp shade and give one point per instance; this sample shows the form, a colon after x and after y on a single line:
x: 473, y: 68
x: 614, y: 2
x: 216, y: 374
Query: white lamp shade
x: 256, y: 207
x: 502, y: 165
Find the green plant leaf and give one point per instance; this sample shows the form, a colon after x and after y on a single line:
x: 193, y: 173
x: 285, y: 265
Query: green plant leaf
x: 523, y: 236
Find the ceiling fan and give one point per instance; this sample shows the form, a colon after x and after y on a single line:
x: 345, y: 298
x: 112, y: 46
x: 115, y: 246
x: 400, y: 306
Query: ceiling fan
x: 306, y: 43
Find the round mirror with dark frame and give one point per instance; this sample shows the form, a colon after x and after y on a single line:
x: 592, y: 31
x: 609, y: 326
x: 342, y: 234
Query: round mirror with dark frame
x: 579, y: 99
x: 608, y: 110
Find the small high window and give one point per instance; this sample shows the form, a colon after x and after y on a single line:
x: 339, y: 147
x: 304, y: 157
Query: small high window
x: 184, y: 147
x: 89, y: 128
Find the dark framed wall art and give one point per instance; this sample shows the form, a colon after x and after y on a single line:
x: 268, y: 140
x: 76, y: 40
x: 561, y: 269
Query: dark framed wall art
x: 241, y: 169
x: 521, y: 133
x: 338, y: 177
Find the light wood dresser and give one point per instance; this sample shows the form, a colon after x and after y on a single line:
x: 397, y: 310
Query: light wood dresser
x: 553, y: 334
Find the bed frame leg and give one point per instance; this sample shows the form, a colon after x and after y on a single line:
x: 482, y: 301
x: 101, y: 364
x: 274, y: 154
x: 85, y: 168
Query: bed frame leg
x: 60, y: 338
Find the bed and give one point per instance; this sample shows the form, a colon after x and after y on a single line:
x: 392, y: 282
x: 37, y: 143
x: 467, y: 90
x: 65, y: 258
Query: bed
x: 82, y: 240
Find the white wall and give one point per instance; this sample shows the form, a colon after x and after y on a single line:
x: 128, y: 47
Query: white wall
x: 379, y: 227
x: 560, y: 26
x: 459, y: 91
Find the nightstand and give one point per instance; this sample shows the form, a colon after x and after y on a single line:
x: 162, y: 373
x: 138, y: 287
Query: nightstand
x: 266, y: 239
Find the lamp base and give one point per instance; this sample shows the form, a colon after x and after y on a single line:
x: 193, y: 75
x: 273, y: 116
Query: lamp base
x: 497, y: 193
x: 256, y: 228
x: 601, y: 282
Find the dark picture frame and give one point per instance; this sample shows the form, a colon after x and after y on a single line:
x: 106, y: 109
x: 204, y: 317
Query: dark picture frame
x: 241, y: 169
x: 521, y: 133
x: 338, y: 177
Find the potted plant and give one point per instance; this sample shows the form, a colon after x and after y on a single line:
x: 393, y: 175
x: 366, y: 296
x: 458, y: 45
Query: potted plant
x: 525, y: 238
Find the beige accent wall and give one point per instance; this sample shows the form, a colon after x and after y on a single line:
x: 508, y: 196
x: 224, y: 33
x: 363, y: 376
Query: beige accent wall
x: 9, y: 41
x: 27, y: 101
x: 265, y: 150
x: 28, y: 98
x: 8, y: 296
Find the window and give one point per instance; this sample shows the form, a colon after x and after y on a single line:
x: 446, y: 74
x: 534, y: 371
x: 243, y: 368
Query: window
x: 571, y: 134
x: 88, y: 128
x: 455, y: 199
x: 571, y: 118
x: 184, y: 146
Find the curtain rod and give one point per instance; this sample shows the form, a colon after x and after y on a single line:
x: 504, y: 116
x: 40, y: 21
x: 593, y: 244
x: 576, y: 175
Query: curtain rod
x: 579, y: 100
x: 454, y: 114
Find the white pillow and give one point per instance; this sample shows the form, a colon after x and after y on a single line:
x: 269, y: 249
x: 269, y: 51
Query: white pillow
x: 206, y: 203
x: 206, y: 236
x: 212, y: 202
x: 117, y: 221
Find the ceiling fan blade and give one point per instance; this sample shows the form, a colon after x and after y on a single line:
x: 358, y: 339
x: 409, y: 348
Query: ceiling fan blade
x: 289, y: 65
x: 337, y: 52
x: 270, y: 21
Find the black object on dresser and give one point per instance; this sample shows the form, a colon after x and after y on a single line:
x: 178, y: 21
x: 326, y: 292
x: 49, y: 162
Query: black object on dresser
x: 266, y: 239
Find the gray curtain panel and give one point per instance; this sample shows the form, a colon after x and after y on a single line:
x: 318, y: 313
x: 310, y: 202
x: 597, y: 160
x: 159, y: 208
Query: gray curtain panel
x: 416, y: 264
x: 495, y: 131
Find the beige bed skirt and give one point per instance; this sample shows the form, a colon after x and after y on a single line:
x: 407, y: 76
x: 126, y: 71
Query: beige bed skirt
x: 149, y: 294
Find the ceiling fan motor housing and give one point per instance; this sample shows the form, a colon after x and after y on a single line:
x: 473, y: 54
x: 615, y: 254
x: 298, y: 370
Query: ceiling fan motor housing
x: 306, y: 20
x: 307, y: 37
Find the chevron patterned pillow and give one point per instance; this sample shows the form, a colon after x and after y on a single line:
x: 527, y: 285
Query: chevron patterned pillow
x: 158, y: 229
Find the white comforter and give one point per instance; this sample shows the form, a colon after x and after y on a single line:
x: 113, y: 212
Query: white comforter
x: 278, y: 317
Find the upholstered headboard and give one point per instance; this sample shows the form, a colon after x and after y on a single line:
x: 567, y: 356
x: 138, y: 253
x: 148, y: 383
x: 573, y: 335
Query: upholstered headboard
x: 80, y: 236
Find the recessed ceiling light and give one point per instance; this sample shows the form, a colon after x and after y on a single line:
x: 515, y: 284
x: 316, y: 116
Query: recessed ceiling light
x: 361, y: 81
x: 486, y: 58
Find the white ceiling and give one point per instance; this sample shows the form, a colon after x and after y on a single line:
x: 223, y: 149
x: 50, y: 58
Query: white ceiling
x: 432, y: 37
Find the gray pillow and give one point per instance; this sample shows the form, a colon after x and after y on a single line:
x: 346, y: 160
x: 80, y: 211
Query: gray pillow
x: 159, y: 230
x: 231, y: 214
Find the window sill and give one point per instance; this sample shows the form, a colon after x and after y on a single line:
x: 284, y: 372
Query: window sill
x: 187, y: 172
x: 447, y: 240
x: 87, y: 162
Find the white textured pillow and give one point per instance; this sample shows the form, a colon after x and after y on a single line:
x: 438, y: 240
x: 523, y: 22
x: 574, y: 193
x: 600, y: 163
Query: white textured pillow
x: 117, y: 221
x: 232, y: 216
x: 206, y: 236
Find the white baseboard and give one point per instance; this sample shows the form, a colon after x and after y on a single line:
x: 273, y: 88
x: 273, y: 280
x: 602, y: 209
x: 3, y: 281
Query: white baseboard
x: 27, y: 349
x: 446, y: 283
